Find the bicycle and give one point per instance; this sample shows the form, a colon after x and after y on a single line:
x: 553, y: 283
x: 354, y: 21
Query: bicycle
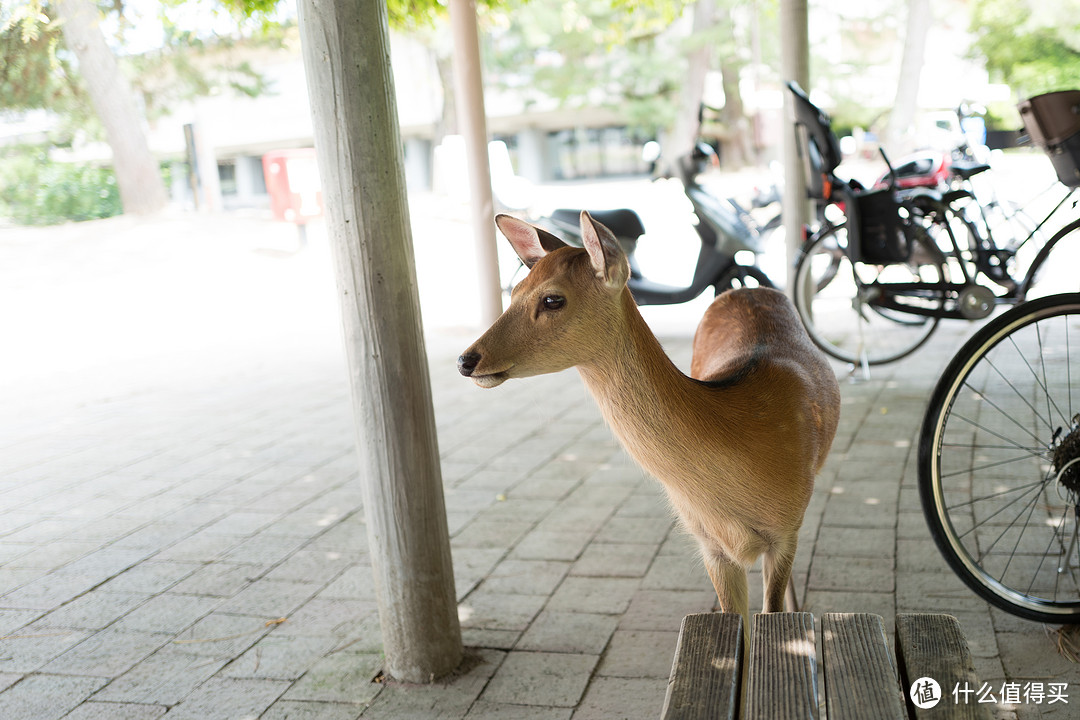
x: 872, y: 285
x: 999, y: 461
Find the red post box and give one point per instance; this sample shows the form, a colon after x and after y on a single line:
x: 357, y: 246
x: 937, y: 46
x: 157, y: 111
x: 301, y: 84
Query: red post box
x: 292, y: 180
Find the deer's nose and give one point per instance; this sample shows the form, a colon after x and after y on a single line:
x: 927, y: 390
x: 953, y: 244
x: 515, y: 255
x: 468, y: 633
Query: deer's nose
x: 467, y: 363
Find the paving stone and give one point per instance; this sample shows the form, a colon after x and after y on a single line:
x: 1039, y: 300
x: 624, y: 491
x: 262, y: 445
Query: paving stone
x: 218, y: 579
x: 12, y: 620
x: 313, y: 710
x: 568, y: 632
x: 337, y: 618
x: 115, y: 711
x: 615, y: 560
x: 53, y: 554
x: 491, y: 639
x: 544, y: 488
x: 552, y: 545
x: 164, y: 678
x: 94, y: 610
x: 485, y: 533
x: 168, y: 613
x: 594, y: 595
x: 263, y: 549
x: 856, y: 574
x: 526, y: 577
x: 649, y: 530
x: 269, y: 598
x: 676, y: 572
x: 314, y: 567
x: 109, y: 653
x: 499, y: 611
x: 280, y: 656
x: 639, y: 654
x: 151, y: 577
x: 533, y: 678
x: 244, y: 522
x: 856, y: 542
x: 340, y: 678
x: 223, y: 635
x: 447, y: 698
x: 482, y: 710
x: 32, y: 646
x: 664, y: 609
x: 46, y: 697
x: 9, y: 679
x: 354, y: 583
x: 623, y: 698
x: 228, y: 698
x: 864, y: 513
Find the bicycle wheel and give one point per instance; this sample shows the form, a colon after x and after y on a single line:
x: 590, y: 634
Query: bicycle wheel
x: 1048, y: 278
x: 999, y: 461
x: 834, y: 298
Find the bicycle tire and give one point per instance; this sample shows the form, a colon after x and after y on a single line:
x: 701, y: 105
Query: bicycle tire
x: 1030, y: 285
x: 1000, y: 499
x: 828, y: 290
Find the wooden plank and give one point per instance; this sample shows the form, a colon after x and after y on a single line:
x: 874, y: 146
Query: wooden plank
x: 704, y: 679
x: 781, y: 679
x: 933, y: 646
x: 860, y: 676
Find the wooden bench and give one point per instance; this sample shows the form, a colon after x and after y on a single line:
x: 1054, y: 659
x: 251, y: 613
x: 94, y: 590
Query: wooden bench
x: 860, y: 677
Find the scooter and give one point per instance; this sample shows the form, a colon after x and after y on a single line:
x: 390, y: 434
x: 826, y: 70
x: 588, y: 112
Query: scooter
x: 724, y: 228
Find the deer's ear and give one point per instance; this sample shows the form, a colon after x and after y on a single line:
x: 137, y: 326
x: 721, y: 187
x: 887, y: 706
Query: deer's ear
x: 530, y: 242
x: 608, y: 259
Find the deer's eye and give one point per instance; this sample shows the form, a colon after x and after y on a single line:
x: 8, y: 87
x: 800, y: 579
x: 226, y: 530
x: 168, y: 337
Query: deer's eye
x: 553, y: 302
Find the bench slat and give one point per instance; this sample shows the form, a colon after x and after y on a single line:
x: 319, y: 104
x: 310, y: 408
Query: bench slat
x: 860, y: 676
x: 932, y: 645
x: 704, y: 679
x: 782, y: 676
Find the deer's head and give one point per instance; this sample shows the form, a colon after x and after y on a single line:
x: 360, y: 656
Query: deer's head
x: 563, y: 310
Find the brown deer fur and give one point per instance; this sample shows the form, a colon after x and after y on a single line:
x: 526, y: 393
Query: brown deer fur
x: 736, y: 445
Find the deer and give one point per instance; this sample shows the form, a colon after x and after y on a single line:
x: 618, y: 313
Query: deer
x: 737, y: 444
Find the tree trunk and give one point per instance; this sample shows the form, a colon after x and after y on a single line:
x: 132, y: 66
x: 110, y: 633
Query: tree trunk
x: 688, y: 121
x: 469, y: 99
x: 346, y: 50
x: 897, y: 132
x: 794, y: 66
x: 138, y: 177
x: 737, y: 148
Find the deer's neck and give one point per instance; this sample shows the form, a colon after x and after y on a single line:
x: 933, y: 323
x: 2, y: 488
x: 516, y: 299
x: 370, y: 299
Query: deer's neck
x: 652, y: 407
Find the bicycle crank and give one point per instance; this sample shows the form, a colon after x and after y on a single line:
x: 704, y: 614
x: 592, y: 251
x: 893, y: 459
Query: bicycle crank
x: 976, y: 302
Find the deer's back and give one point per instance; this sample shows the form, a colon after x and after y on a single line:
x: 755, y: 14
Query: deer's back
x: 751, y: 340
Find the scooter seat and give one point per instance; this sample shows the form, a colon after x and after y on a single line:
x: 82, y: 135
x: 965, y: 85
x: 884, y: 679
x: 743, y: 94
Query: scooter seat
x: 624, y: 222
x: 968, y: 170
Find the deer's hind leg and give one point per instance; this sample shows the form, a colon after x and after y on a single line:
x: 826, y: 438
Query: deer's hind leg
x: 776, y: 567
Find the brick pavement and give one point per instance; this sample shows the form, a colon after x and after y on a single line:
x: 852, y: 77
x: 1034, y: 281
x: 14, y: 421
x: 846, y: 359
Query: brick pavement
x: 182, y: 536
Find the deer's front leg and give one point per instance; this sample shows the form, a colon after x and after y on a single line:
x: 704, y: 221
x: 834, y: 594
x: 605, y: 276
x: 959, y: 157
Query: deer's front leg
x: 729, y: 579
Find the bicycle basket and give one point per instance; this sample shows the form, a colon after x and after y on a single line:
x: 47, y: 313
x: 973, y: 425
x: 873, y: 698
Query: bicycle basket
x: 880, y: 238
x: 1053, y: 123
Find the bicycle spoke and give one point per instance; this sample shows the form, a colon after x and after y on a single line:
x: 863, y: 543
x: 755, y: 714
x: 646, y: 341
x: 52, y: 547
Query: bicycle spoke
x: 1042, y: 385
x: 987, y: 466
x: 1019, y: 394
x: 1016, y: 445
x: 1037, y: 483
x: 1029, y: 507
x: 1045, y: 554
x: 997, y: 512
